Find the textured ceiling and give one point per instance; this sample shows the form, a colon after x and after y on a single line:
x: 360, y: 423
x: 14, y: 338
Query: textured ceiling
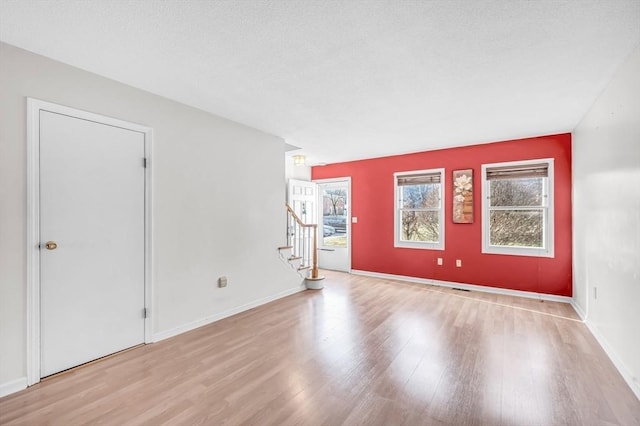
x: 349, y: 79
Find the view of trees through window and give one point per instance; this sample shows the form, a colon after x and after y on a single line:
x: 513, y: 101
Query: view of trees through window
x: 517, y: 208
x: 335, y: 200
x: 334, y: 217
x: 420, y: 206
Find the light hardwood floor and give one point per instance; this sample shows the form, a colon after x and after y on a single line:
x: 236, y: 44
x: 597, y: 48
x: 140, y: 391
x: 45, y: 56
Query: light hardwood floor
x: 363, y: 351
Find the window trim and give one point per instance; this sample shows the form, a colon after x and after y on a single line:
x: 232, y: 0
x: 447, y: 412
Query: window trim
x: 548, y: 221
x: 396, y: 213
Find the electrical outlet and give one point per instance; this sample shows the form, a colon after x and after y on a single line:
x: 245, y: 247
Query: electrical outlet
x: 459, y: 263
x: 440, y: 261
x: 222, y: 282
x: 354, y: 219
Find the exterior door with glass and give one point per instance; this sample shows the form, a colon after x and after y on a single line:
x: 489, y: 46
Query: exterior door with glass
x: 334, y: 228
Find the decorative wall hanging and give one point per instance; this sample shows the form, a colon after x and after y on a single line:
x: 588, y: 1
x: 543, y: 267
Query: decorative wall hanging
x: 463, y: 196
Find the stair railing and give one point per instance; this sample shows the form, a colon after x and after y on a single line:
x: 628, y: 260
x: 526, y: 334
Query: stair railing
x: 303, y: 238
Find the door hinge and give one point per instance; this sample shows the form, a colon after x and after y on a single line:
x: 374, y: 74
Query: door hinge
x: 144, y: 313
x: 144, y: 163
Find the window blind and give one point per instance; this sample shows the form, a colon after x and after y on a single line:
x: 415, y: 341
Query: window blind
x: 418, y: 179
x: 518, y: 172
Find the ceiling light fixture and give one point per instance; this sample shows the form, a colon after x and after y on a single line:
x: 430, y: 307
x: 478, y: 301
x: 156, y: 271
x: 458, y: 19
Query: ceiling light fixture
x: 299, y: 160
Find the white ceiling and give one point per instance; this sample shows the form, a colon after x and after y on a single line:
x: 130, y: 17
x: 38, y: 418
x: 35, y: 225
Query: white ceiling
x: 349, y: 79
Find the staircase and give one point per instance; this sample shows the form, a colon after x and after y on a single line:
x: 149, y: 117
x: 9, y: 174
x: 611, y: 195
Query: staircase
x: 301, y: 251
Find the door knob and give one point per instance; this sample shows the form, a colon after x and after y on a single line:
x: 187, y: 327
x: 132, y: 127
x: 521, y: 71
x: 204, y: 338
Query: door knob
x: 51, y: 245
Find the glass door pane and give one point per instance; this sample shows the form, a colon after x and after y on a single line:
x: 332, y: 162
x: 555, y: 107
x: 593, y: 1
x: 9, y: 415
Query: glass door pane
x: 334, y: 214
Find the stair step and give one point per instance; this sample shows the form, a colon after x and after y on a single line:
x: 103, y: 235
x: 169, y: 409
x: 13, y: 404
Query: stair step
x: 285, y: 247
x: 303, y: 268
x: 294, y: 258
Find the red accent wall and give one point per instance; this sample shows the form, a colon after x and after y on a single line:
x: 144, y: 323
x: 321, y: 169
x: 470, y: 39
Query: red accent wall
x: 372, y: 201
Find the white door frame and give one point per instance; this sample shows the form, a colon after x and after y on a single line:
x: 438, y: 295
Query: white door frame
x: 34, y: 106
x: 349, y: 215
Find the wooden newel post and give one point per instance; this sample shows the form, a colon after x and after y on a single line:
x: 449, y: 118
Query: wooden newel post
x: 314, y: 269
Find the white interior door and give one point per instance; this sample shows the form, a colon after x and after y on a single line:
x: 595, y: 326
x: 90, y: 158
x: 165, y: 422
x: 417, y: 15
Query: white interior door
x: 334, y: 201
x: 92, y: 207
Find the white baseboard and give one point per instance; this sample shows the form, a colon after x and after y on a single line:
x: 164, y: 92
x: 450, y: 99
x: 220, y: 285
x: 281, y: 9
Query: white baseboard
x: 473, y: 287
x: 13, y: 386
x: 608, y: 349
x: 579, y: 310
x: 617, y: 362
x: 213, y: 318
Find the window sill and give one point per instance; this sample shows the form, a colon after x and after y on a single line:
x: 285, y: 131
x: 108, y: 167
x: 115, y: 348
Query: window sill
x: 419, y: 246
x: 518, y: 251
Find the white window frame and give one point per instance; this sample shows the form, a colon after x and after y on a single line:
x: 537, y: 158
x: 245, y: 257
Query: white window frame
x: 548, y: 218
x: 398, y: 242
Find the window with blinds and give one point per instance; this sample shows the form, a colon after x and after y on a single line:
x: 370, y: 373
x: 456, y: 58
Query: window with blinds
x: 419, y: 215
x: 518, y: 208
x: 418, y: 179
x: 518, y: 171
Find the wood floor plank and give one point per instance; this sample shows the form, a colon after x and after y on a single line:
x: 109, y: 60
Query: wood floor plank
x: 362, y: 351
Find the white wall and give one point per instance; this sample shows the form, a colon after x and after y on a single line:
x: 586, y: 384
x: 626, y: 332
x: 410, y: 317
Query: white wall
x: 296, y: 172
x: 606, y: 149
x: 205, y: 226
